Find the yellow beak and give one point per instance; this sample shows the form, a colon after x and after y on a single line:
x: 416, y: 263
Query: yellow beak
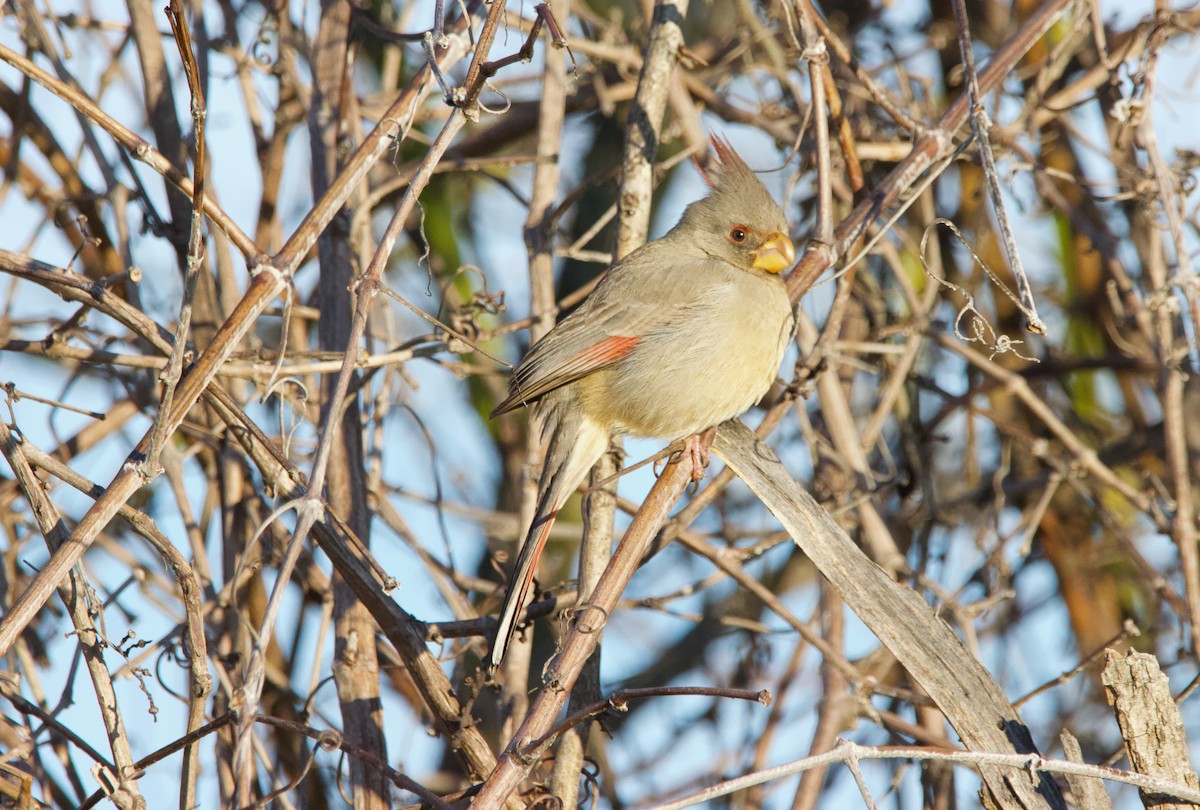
x: 775, y: 254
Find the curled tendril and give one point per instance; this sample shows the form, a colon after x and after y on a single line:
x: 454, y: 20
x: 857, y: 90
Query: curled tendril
x: 977, y: 327
x: 499, y: 111
x: 264, y: 44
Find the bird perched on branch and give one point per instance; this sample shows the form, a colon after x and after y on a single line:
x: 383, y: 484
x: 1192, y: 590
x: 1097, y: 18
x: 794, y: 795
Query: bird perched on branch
x: 680, y: 335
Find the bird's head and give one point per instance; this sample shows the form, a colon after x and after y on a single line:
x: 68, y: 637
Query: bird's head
x: 738, y: 222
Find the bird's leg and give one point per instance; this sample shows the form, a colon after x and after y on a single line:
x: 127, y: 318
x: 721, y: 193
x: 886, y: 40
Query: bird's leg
x: 696, y: 447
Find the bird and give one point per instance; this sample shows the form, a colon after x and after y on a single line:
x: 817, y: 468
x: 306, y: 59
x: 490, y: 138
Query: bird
x: 680, y: 335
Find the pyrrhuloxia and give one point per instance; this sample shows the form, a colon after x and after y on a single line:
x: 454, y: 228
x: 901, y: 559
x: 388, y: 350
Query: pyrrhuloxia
x: 680, y: 335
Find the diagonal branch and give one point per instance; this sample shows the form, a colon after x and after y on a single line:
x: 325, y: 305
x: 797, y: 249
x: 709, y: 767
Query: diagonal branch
x: 932, y: 145
x: 923, y: 643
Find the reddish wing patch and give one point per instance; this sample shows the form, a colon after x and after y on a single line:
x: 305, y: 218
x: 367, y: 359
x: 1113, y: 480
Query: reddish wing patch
x: 542, y: 379
x: 602, y: 353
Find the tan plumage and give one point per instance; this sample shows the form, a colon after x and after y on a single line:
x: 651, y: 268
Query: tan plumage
x: 680, y: 335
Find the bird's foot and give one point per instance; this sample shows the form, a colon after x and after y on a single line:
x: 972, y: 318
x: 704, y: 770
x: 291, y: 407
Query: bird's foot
x: 696, y: 447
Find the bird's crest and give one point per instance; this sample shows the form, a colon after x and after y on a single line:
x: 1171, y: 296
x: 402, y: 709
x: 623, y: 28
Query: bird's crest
x: 727, y: 166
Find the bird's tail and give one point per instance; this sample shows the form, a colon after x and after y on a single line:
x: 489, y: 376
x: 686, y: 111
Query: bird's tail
x: 576, y: 443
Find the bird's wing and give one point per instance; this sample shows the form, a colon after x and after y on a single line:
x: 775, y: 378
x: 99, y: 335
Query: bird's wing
x: 634, y: 301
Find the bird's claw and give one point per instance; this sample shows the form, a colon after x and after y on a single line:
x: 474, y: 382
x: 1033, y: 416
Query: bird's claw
x: 697, y: 449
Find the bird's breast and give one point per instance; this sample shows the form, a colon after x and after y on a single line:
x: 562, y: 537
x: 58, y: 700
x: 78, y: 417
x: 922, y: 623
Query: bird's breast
x: 698, y: 372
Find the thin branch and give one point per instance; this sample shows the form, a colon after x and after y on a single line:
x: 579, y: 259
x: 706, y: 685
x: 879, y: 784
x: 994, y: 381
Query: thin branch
x: 979, y: 127
x: 195, y: 247
x: 847, y: 752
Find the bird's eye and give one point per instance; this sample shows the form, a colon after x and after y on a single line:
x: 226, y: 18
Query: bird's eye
x: 737, y: 234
